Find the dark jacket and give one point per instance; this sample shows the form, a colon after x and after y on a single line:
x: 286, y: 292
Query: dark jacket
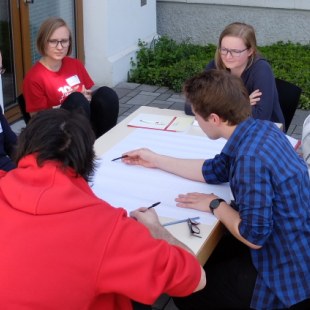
x: 8, y: 141
x: 260, y: 76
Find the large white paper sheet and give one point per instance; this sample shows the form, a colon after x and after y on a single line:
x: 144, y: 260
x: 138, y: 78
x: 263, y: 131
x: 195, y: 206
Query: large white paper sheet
x: 131, y: 187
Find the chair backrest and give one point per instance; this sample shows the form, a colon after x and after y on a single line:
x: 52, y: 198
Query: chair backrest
x: 289, y: 95
x: 22, y: 106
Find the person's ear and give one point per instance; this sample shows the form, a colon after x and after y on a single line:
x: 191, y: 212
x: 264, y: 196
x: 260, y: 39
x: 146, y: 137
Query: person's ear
x: 250, y: 52
x: 214, y: 118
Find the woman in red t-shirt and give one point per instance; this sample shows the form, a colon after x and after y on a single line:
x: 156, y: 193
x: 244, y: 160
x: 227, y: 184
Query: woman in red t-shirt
x: 57, y: 80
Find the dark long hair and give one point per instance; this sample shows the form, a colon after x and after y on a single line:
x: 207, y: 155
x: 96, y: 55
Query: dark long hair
x: 59, y: 135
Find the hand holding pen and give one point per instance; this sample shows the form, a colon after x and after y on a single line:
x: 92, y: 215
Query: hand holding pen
x: 149, y: 218
x: 142, y: 157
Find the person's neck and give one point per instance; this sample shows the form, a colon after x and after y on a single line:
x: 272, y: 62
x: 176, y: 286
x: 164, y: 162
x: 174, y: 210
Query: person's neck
x: 228, y: 131
x: 51, y: 64
x: 238, y: 71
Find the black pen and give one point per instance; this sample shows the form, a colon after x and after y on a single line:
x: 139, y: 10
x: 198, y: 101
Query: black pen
x: 117, y: 158
x: 153, y: 205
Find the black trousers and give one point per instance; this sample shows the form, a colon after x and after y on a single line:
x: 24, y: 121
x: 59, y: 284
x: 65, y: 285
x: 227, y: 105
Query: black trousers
x: 230, y: 276
x: 102, y: 110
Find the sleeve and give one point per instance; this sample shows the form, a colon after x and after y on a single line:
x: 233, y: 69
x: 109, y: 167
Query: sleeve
x: 83, y: 75
x: 262, y: 78
x: 254, y: 195
x: 154, y: 266
x: 10, y: 138
x: 215, y: 170
x: 35, y: 97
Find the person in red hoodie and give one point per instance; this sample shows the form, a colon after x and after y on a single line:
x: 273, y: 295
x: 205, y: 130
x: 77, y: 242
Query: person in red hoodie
x: 64, y: 248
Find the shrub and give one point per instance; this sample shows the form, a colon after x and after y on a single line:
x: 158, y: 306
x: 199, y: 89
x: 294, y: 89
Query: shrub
x: 167, y: 63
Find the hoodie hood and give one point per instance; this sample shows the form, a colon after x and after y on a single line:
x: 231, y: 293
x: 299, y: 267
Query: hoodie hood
x: 35, y: 190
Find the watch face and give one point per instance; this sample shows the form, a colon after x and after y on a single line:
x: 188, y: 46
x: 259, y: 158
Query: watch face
x: 214, y: 203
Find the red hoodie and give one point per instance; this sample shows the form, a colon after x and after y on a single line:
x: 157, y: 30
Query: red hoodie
x: 64, y: 248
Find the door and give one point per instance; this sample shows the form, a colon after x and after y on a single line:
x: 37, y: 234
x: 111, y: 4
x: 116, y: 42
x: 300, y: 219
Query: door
x: 22, y: 21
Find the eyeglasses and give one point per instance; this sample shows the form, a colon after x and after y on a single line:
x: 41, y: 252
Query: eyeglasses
x: 2, y: 70
x: 193, y: 228
x: 63, y: 43
x: 234, y: 53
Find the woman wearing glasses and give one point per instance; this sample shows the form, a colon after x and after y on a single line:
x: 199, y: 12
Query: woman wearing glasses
x: 59, y: 80
x: 237, y: 53
x: 8, y: 138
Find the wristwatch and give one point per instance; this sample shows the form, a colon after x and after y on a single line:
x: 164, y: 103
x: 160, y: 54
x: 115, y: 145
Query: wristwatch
x: 215, y: 203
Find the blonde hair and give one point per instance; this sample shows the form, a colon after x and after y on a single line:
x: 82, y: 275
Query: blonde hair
x: 47, y: 29
x: 240, y: 30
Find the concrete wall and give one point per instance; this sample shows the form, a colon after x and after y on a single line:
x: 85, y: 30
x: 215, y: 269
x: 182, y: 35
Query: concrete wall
x: 111, y: 32
x: 203, y: 20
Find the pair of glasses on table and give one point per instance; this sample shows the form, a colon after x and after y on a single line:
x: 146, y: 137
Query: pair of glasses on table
x: 193, y: 228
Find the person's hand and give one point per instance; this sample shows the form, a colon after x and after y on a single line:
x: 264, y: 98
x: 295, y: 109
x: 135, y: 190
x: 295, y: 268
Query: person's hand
x: 147, y: 217
x: 196, y: 201
x: 143, y: 157
x: 255, y: 97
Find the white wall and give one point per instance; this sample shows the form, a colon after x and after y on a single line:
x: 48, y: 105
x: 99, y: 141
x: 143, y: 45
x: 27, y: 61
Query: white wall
x: 279, y: 4
x: 203, y: 20
x: 112, y: 29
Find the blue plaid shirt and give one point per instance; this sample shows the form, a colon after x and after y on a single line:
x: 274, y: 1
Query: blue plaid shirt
x: 271, y: 188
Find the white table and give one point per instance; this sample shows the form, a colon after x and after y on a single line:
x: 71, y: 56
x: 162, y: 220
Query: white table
x: 211, y: 234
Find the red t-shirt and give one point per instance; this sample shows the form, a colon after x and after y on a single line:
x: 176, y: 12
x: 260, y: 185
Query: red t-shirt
x: 64, y: 248
x: 44, y: 89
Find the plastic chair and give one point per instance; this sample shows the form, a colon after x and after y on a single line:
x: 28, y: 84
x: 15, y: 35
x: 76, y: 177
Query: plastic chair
x: 22, y: 106
x: 289, y: 95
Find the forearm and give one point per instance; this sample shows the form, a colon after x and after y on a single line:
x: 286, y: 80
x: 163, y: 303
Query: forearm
x: 230, y: 218
x: 186, y: 168
x: 160, y: 232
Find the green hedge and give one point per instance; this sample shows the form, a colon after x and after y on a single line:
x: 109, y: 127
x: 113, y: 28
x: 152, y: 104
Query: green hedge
x: 167, y: 63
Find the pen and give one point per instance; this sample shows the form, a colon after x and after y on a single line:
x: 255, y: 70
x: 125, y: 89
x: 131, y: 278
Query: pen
x: 181, y: 221
x: 154, y: 205
x: 151, y: 122
x: 117, y: 158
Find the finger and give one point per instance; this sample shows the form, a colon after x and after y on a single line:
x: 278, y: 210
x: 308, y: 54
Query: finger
x: 184, y: 205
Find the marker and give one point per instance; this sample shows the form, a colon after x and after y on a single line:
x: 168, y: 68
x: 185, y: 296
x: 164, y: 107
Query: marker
x: 181, y: 221
x: 154, y: 205
x: 117, y: 158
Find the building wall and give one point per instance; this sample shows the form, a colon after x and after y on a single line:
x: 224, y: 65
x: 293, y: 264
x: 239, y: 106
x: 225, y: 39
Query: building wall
x: 203, y: 20
x: 112, y: 29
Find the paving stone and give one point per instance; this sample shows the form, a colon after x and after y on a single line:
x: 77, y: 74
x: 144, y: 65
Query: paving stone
x: 148, y: 88
x: 141, y: 100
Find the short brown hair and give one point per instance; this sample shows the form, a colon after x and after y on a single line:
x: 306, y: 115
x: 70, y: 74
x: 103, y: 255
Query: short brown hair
x: 219, y: 92
x: 240, y: 30
x: 47, y: 29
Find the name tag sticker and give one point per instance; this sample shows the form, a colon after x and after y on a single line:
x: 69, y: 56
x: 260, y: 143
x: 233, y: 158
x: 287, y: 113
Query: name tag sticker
x: 73, y: 80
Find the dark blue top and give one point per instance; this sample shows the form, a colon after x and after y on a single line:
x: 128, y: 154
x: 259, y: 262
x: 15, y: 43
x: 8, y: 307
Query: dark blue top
x: 271, y: 188
x: 7, y: 143
x: 260, y: 76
